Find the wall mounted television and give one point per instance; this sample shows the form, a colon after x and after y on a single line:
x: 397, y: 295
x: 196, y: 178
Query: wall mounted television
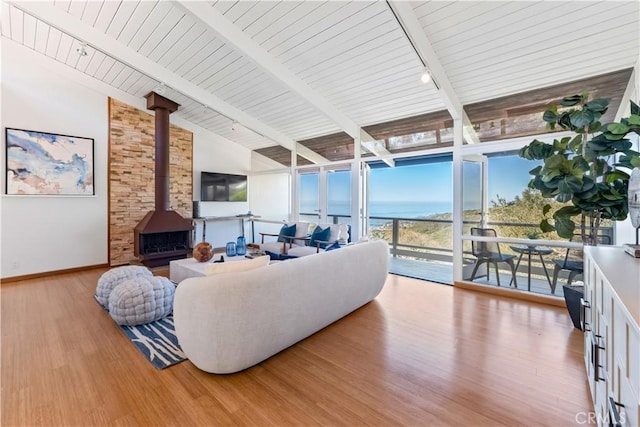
x: 222, y: 187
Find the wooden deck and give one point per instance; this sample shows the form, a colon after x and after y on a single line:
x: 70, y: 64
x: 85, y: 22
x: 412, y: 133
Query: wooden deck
x: 442, y: 272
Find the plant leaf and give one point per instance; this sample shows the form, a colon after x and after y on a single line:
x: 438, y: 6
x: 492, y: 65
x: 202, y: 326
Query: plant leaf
x: 546, y: 227
x: 567, y: 211
x: 569, y: 184
x: 615, y: 128
x: 600, y: 105
x: 546, y: 209
x: 564, y: 197
x: 622, y: 145
x: 587, y: 193
x: 635, y: 109
x: 634, y: 119
x: 616, y: 174
x: 595, y: 127
x: 582, y: 118
x: 564, y: 227
x: 549, y: 116
x: 570, y: 101
x: 554, y: 162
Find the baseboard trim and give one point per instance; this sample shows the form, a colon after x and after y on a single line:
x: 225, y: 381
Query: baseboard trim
x: 511, y: 293
x: 51, y: 273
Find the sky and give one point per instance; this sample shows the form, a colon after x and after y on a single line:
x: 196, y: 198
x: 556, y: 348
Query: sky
x: 420, y: 183
x: 509, y: 176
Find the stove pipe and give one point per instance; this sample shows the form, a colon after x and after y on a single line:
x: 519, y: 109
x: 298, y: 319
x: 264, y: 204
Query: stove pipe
x: 162, y: 107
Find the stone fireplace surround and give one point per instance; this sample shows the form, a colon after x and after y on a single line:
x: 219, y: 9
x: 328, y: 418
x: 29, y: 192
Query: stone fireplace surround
x: 131, y: 175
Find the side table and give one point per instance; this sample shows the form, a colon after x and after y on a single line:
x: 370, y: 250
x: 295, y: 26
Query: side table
x: 531, y: 250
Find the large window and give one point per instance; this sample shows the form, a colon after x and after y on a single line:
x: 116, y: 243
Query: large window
x: 309, y: 196
x: 339, y: 196
x: 415, y: 191
x: 410, y: 206
x: 514, y: 209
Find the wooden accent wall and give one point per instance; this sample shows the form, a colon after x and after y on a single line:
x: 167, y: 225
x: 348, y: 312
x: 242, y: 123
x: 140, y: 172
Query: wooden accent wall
x: 131, y: 175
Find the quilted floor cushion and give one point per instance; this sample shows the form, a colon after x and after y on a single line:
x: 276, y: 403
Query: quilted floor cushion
x: 141, y: 300
x: 116, y: 276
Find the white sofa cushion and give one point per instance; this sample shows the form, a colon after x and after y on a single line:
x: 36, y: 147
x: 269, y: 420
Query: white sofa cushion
x: 278, y: 247
x: 236, y: 266
x: 302, y: 229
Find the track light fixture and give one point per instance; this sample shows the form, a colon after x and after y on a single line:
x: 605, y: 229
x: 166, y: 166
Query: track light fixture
x: 425, y: 77
x: 82, y: 50
x: 233, y: 125
x: 425, y: 74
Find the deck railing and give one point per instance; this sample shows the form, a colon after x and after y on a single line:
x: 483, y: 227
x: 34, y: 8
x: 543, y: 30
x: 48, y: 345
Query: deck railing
x: 431, y: 239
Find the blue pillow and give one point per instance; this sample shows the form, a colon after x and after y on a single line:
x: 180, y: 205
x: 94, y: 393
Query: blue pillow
x: 320, y: 234
x: 335, y: 245
x: 277, y: 257
x: 285, y: 231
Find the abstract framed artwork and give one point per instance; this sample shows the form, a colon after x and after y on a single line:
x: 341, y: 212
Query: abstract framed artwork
x: 40, y: 163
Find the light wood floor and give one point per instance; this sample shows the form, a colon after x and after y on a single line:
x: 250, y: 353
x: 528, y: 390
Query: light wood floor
x: 420, y: 354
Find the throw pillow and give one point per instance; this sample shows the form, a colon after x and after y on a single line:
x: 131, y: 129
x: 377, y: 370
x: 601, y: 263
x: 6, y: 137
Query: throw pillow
x: 320, y: 234
x: 236, y: 266
x: 278, y: 257
x: 287, y: 231
x: 335, y: 245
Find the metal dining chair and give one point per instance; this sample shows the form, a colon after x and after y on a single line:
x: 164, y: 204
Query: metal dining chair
x: 489, y: 253
x: 573, y: 261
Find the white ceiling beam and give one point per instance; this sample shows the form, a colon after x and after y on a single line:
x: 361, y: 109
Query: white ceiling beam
x: 234, y: 36
x: 111, y: 47
x: 99, y: 86
x: 406, y: 15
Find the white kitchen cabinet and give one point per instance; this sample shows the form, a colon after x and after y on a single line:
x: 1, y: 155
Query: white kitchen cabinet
x: 611, y: 314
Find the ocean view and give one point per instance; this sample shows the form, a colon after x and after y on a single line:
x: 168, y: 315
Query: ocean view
x: 387, y: 209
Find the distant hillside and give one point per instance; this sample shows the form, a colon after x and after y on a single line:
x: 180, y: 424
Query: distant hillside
x: 526, y: 208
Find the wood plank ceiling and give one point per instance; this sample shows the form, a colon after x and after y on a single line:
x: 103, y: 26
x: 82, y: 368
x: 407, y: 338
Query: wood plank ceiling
x: 353, y: 53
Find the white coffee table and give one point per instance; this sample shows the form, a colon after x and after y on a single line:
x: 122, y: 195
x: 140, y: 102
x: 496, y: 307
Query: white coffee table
x: 181, y: 269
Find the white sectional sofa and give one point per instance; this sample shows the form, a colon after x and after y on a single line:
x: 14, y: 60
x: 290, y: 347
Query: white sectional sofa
x: 228, y: 322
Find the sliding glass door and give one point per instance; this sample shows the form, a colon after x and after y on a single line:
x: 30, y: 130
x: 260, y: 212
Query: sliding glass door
x: 309, y: 195
x: 325, y: 194
x: 338, y: 195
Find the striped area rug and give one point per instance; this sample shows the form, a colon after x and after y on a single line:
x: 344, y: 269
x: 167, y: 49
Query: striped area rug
x: 157, y: 341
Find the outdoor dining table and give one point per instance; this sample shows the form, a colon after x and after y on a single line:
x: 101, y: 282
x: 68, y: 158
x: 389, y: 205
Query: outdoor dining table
x: 531, y: 250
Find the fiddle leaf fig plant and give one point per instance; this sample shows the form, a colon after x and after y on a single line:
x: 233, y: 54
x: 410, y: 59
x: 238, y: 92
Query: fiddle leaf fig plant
x: 584, y: 169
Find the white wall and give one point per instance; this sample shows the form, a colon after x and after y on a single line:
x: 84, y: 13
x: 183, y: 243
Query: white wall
x: 624, y: 231
x: 44, y: 234
x: 218, y: 155
x: 270, y: 200
x: 41, y: 234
